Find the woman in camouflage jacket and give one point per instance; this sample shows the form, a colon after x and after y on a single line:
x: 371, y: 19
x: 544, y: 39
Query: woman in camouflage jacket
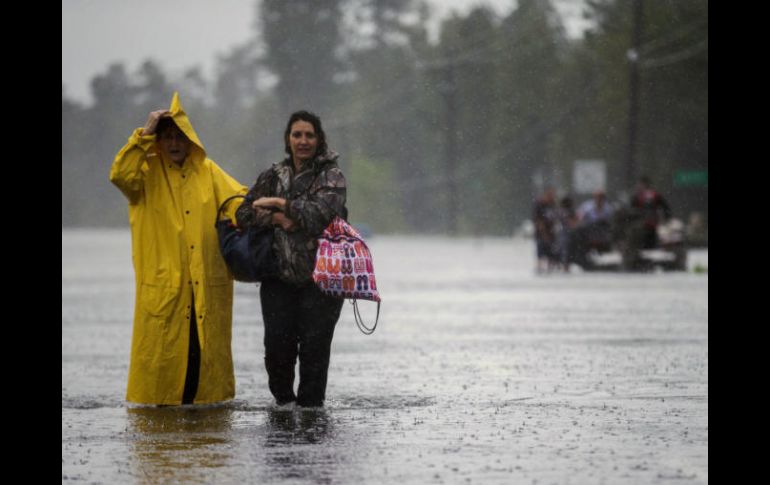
x: 298, y: 197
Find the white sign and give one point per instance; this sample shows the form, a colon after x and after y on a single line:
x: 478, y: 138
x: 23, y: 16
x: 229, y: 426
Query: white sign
x: 588, y: 176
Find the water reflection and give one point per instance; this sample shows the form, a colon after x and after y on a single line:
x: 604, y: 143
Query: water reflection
x: 294, y: 444
x: 179, y: 443
x: 297, y: 426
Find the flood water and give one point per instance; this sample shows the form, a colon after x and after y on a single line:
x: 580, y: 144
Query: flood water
x: 480, y: 371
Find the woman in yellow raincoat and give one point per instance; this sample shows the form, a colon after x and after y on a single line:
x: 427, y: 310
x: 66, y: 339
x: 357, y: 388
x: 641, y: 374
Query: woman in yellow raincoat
x: 180, y: 350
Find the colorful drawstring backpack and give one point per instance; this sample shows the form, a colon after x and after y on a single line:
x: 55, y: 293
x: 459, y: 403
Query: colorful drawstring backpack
x: 344, y: 268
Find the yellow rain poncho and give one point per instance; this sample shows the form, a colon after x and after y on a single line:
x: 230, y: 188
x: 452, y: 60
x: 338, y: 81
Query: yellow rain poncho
x: 176, y: 256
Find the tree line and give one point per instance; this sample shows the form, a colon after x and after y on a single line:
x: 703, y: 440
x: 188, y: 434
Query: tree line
x: 452, y: 136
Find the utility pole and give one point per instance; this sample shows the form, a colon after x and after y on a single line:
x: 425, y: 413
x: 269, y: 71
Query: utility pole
x: 450, y: 153
x: 633, y: 105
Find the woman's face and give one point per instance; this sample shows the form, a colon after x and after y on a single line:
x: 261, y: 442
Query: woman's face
x: 302, y: 141
x: 174, y: 144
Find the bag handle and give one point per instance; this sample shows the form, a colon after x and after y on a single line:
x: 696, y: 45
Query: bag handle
x: 224, y: 203
x: 360, y: 321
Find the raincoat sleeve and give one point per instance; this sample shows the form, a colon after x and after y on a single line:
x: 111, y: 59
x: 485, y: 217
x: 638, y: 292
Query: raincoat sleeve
x: 130, y: 165
x: 314, y: 211
x: 245, y: 215
x: 225, y: 186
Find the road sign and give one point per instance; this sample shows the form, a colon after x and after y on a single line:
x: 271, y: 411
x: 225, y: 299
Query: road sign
x: 588, y: 176
x: 691, y: 178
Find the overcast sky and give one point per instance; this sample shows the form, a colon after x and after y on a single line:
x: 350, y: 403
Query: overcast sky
x: 179, y: 34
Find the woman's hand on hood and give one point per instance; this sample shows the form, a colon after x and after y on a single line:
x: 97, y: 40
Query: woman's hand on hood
x: 152, y: 121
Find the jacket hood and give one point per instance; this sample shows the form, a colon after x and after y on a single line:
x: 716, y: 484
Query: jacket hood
x: 181, y: 120
x: 329, y: 157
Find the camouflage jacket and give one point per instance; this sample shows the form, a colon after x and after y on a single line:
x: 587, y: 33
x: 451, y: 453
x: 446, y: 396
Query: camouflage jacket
x: 314, y: 196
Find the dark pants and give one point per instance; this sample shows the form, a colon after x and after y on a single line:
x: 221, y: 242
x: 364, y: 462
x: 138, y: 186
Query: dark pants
x: 193, y: 361
x: 299, y: 322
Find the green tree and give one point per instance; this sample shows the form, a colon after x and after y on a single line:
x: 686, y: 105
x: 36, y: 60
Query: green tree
x: 673, y: 69
x: 529, y: 73
x: 302, y: 38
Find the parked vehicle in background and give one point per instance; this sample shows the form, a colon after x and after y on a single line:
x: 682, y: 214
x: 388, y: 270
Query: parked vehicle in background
x: 622, y: 243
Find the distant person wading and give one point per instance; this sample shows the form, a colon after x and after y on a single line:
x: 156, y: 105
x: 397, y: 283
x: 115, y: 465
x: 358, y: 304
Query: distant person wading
x: 298, y: 197
x: 180, y: 350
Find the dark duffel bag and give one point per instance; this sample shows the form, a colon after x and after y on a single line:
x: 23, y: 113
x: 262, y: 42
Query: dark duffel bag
x: 247, y: 252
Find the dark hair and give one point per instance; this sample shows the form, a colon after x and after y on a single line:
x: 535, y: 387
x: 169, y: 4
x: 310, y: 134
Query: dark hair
x: 314, y: 120
x: 163, y: 125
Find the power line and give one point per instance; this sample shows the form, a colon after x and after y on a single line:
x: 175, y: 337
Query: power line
x: 478, y: 167
x: 680, y: 56
x: 670, y: 37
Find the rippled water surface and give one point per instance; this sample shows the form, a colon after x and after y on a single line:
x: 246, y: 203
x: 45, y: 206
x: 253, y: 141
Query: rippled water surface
x: 480, y: 371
